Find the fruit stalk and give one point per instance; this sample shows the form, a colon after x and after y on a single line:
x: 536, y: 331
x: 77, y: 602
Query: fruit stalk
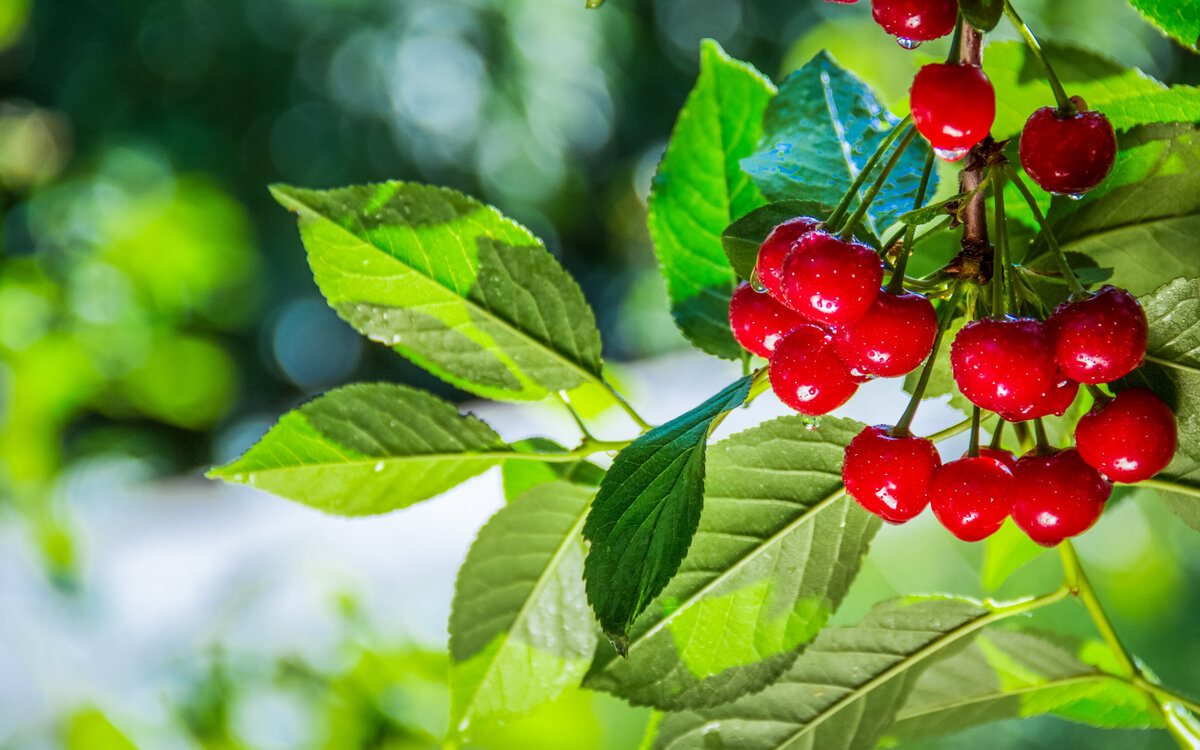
x: 945, y: 315
x: 1055, y: 250
x: 1065, y: 107
x: 839, y: 212
x: 847, y: 232
x: 896, y: 284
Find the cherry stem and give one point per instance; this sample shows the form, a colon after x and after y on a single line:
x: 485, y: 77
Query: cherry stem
x: 896, y: 284
x: 1066, y: 107
x: 973, y: 450
x: 1000, y: 271
x: 1039, y: 430
x: 1055, y: 249
x: 847, y: 231
x: 945, y: 315
x: 1169, y: 486
x: 1098, y: 395
x: 839, y: 212
x: 995, y: 442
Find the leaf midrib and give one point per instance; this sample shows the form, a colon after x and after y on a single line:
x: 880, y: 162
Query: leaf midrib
x: 1002, y: 694
x: 483, y: 456
x: 298, y: 205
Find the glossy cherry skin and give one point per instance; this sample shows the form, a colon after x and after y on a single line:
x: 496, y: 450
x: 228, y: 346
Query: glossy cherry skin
x: 829, y: 280
x: 1057, y: 401
x: 1131, y: 438
x: 1001, y: 455
x: 806, y: 373
x: 893, y: 338
x: 1003, y: 364
x: 758, y: 321
x: 774, y: 249
x: 953, y: 106
x: 1099, y: 339
x: 1068, y: 155
x: 1057, y: 496
x: 918, y: 20
x: 971, y: 497
x: 890, y: 476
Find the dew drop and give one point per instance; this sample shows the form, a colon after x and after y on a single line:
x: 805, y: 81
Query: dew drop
x: 908, y: 43
x: 379, y: 466
x: 951, y: 154
x: 756, y: 283
x: 811, y: 423
x: 1075, y: 196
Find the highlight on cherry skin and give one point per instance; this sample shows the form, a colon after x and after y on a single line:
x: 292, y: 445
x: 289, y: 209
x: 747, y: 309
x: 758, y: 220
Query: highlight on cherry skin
x: 1068, y: 153
x: 953, y: 106
x: 915, y: 21
x: 890, y: 475
x: 1129, y: 439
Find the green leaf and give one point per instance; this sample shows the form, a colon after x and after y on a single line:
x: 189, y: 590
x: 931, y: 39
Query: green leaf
x: 1006, y: 552
x: 520, y: 628
x: 778, y: 546
x: 982, y: 14
x: 819, y: 132
x: 844, y: 690
x: 699, y: 189
x: 366, y: 449
x: 1006, y: 674
x: 451, y: 284
x: 91, y: 730
x: 646, y: 512
x: 1178, y: 20
x: 742, y: 238
x: 1176, y: 104
x: 519, y: 477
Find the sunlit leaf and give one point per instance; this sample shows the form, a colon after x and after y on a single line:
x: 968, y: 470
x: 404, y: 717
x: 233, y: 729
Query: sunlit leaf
x: 1006, y: 552
x: 1178, y: 19
x: 519, y: 477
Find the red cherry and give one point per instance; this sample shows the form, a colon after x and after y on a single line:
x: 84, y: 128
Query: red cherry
x: 1068, y: 155
x: 953, y: 105
x: 1131, y: 438
x: 829, y: 280
x: 759, y: 322
x: 1001, y: 455
x: 1099, y: 339
x: 806, y: 373
x: 971, y: 497
x: 892, y: 338
x: 890, y: 476
x: 916, y: 20
x: 774, y: 249
x: 1003, y: 364
x: 1057, y: 401
x: 1057, y: 496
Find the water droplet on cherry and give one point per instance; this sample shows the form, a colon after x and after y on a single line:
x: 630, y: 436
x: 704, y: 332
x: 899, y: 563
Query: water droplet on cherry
x: 908, y: 43
x: 951, y: 154
x: 756, y: 283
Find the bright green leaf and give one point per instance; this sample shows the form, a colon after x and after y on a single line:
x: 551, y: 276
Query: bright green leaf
x: 451, y: 284
x: 366, y: 449
x: 646, y: 512
x: 1176, y: 104
x: 91, y: 730
x: 819, y: 132
x: 778, y: 546
x: 699, y: 189
x: 521, y: 476
x: 1178, y: 19
x: 843, y: 691
x: 1006, y: 552
x: 520, y: 628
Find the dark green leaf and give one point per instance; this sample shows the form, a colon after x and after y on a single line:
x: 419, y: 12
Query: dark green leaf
x: 982, y: 14
x: 819, y: 132
x: 844, y: 690
x: 1178, y: 19
x: 743, y: 237
x: 521, y: 476
x: 646, y: 512
x: 366, y: 449
x: 520, y: 628
x: 777, y: 548
x: 1007, y: 674
x: 699, y: 189
x: 451, y: 284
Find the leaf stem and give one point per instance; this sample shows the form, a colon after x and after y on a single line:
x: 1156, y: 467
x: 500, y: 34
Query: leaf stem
x: 1065, y: 107
x: 1173, y: 364
x: 896, y: 284
x: 1169, y: 486
x: 1166, y: 695
x: 566, y: 402
x: 1081, y: 587
x: 945, y: 315
x: 626, y: 406
x: 955, y: 429
x: 1055, y: 250
x: 847, y: 231
x: 839, y: 212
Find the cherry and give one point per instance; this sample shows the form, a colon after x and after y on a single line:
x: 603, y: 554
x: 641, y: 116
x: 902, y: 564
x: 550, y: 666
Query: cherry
x: 1068, y: 154
x: 829, y: 280
x: 1057, y: 496
x: 916, y: 20
x: 953, y: 105
x: 971, y: 497
x: 890, y: 476
x: 893, y: 337
x: 759, y: 322
x: 806, y: 373
x: 1001, y: 455
x: 1003, y: 364
x: 1099, y: 339
x: 1131, y: 438
x: 774, y: 249
x: 1057, y: 401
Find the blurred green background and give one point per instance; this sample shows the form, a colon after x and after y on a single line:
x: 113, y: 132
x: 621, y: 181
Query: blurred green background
x: 155, y: 304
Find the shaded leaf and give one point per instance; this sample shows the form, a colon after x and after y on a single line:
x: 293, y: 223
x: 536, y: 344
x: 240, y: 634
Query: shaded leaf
x: 699, y: 189
x: 844, y: 690
x: 646, y: 512
x: 451, y: 284
x: 777, y: 548
x: 520, y: 628
x: 1178, y: 20
x: 368, y: 448
x: 982, y: 14
x: 742, y: 238
x: 818, y: 133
